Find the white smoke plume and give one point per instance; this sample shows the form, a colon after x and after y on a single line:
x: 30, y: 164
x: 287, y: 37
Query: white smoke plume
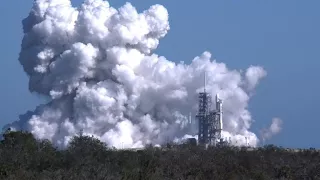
x: 96, y: 64
x: 274, y: 129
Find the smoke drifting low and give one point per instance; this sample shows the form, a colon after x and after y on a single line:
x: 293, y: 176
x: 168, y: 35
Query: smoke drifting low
x: 97, y: 66
x: 274, y: 129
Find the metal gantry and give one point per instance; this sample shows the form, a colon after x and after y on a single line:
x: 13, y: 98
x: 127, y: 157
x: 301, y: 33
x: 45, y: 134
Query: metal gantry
x: 210, y: 121
x: 204, y: 117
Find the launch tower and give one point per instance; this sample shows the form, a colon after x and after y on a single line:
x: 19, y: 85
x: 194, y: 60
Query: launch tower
x: 210, y: 121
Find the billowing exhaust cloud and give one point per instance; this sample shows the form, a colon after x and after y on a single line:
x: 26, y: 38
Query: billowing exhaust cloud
x: 97, y: 66
x: 274, y: 129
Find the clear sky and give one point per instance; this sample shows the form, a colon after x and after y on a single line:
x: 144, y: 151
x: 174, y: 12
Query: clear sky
x: 282, y: 36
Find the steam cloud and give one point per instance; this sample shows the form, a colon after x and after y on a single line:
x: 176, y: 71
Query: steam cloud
x: 274, y: 129
x: 97, y: 66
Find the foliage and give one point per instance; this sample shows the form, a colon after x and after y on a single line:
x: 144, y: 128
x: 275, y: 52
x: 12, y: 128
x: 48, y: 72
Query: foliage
x: 24, y: 157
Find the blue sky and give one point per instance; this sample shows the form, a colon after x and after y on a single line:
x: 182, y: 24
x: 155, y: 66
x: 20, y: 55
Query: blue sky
x: 282, y: 36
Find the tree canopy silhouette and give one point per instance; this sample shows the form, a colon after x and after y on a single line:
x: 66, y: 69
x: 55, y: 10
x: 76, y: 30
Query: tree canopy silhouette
x: 22, y: 156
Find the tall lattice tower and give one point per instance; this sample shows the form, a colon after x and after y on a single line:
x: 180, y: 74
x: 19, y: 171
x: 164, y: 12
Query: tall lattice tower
x: 204, y: 116
x: 210, y: 121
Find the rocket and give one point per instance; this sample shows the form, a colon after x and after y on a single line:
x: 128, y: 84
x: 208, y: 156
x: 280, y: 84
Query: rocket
x: 219, y: 110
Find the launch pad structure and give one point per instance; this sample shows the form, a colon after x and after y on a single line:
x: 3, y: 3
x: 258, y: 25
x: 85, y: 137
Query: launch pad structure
x: 210, y: 121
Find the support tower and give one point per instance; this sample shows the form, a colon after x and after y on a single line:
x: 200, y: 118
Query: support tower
x: 210, y: 121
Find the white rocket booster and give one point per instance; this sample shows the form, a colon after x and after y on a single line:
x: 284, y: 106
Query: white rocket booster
x: 219, y: 110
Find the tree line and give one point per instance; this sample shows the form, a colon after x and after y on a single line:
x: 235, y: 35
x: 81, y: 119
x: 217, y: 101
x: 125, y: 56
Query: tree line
x: 22, y: 156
